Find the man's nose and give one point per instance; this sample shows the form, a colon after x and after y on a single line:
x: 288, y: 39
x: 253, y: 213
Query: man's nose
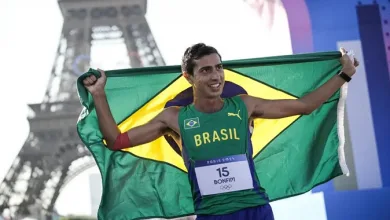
x: 215, y: 75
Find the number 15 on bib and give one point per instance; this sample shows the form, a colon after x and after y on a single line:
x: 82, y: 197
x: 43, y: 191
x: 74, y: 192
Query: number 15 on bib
x: 221, y: 175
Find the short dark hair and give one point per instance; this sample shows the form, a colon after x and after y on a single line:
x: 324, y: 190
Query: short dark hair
x: 193, y: 53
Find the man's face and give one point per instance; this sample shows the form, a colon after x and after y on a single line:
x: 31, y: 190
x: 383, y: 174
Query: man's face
x: 208, y: 79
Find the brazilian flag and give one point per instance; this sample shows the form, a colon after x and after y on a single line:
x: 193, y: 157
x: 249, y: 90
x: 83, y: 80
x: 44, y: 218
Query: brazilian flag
x: 292, y: 155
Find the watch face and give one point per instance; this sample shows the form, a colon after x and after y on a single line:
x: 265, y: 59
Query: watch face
x: 80, y: 64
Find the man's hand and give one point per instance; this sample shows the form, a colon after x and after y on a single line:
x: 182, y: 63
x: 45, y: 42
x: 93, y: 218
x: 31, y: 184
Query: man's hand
x: 349, y: 67
x: 94, y: 85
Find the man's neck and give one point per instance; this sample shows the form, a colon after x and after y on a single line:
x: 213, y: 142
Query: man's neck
x: 208, y: 105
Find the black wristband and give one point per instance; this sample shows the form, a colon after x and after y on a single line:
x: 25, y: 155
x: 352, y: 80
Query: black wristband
x: 344, y: 76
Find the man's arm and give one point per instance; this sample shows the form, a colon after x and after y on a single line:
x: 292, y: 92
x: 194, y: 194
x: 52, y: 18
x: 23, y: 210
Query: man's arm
x: 258, y: 107
x: 288, y: 107
x: 114, y: 138
x: 135, y: 136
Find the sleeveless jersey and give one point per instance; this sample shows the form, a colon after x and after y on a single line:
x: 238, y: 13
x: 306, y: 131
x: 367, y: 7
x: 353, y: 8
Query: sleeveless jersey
x: 217, y: 151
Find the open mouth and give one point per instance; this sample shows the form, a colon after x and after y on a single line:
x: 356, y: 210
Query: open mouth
x: 215, y: 85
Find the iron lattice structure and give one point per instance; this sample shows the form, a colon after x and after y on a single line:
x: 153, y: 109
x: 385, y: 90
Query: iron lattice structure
x: 53, y: 153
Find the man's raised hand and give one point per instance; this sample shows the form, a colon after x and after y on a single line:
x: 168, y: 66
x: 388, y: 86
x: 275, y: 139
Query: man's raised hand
x: 95, y: 85
x: 349, y: 66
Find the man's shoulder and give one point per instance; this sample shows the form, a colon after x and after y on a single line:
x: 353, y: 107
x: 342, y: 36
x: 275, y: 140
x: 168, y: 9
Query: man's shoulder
x: 168, y: 116
x: 238, y: 98
x: 172, y: 113
x: 243, y: 100
x: 172, y: 110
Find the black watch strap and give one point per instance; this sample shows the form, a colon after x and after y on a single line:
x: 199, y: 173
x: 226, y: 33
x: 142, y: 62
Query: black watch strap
x: 344, y: 76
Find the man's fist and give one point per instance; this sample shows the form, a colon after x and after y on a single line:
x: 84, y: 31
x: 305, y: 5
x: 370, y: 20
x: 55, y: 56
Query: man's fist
x: 95, y: 85
x: 349, y: 66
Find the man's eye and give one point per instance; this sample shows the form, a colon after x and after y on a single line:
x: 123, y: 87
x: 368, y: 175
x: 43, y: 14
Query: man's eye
x: 205, y: 70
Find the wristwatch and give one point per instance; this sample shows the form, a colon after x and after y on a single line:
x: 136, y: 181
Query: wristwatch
x: 344, y: 76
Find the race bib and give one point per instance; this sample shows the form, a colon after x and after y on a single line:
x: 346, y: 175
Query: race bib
x: 221, y: 175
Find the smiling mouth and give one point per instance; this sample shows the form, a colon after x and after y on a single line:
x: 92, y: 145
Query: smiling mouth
x: 215, y: 85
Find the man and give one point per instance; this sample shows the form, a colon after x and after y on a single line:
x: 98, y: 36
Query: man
x: 209, y: 118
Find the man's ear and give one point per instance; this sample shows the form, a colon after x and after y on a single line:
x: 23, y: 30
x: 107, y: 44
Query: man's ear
x: 188, y: 77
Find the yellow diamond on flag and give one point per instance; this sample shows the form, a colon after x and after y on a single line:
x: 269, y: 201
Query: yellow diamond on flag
x: 265, y: 130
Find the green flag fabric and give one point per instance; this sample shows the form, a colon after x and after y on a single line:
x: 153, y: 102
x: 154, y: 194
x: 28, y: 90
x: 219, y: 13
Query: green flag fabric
x: 292, y: 155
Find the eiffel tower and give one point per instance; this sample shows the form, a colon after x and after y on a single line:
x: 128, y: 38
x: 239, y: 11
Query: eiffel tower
x: 53, y: 153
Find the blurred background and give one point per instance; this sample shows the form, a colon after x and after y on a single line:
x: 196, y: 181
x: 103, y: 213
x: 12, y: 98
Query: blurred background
x: 45, y: 171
